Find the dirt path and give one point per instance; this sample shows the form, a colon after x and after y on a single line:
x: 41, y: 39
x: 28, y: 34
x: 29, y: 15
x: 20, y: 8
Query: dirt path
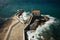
x: 15, y: 31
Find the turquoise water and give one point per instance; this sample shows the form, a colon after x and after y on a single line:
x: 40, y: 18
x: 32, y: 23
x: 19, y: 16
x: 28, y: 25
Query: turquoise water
x: 9, y: 7
x: 51, y: 7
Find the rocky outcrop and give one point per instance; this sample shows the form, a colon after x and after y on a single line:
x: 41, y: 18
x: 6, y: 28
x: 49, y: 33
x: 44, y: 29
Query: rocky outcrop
x: 12, y: 29
x: 34, y: 25
x: 37, y: 22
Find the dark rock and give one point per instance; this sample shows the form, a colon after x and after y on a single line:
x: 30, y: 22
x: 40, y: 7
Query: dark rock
x: 40, y: 21
x: 32, y: 36
x: 34, y: 25
x: 19, y: 12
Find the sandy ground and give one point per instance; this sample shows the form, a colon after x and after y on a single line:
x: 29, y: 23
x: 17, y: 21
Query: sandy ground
x: 12, y: 29
x: 4, y: 29
x: 17, y: 32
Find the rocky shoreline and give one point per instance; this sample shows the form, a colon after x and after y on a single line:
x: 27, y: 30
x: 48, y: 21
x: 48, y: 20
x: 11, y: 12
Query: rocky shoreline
x: 7, y: 26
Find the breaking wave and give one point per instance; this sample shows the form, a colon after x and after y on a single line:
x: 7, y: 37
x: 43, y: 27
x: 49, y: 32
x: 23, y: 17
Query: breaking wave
x: 24, y: 16
x: 42, y: 32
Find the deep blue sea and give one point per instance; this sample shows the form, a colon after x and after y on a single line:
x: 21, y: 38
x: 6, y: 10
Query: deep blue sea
x: 50, y: 7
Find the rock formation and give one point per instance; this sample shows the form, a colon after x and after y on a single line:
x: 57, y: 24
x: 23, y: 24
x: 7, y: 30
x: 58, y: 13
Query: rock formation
x: 13, y: 28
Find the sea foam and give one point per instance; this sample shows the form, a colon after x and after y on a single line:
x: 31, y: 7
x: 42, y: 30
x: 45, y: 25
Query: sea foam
x: 42, y: 32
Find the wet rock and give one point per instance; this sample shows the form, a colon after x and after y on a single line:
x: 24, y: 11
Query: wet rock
x: 34, y: 25
x: 37, y: 22
x: 32, y: 36
x: 46, y: 18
